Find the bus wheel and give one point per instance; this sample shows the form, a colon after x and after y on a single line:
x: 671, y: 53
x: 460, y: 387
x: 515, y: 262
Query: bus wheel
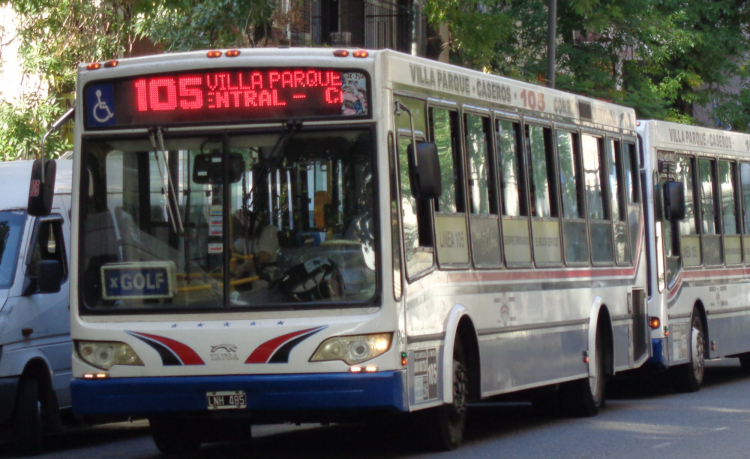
x: 173, y: 436
x: 28, y: 419
x: 443, y: 426
x: 584, y: 397
x: 689, y: 377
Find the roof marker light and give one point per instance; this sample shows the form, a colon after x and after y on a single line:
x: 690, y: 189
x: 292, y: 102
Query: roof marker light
x: 232, y: 53
x: 213, y: 54
x: 360, y: 53
x: 341, y: 53
x: 93, y: 66
x: 112, y: 63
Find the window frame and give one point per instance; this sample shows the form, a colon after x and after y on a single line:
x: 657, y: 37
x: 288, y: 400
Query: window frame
x: 552, y: 185
x: 462, y: 202
x: 494, y: 196
x: 523, y: 186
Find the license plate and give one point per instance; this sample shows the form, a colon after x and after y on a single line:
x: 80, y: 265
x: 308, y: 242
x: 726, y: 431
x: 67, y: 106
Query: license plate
x: 226, y: 400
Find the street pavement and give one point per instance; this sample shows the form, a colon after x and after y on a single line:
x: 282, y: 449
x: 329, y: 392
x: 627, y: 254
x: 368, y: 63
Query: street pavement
x: 643, y: 418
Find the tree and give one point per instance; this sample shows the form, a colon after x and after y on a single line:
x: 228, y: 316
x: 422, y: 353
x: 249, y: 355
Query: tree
x: 56, y: 35
x: 658, y: 57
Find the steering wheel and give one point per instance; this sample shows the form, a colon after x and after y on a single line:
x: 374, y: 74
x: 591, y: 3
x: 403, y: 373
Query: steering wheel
x: 315, y: 279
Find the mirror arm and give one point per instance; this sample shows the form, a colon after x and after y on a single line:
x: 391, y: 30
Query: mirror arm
x: 399, y: 107
x: 54, y: 127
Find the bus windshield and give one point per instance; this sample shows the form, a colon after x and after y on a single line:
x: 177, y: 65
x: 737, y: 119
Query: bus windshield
x: 299, y: 222
x: 11, y: 229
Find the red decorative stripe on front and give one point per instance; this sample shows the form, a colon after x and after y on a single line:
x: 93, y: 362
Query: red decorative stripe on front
x: 263, y: 352
x: 186, y: 354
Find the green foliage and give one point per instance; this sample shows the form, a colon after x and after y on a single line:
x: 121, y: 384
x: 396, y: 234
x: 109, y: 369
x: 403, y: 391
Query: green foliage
x: 658, y: 57
x: 55, y: 36
x: 22, y: 126
x: 183, y: 25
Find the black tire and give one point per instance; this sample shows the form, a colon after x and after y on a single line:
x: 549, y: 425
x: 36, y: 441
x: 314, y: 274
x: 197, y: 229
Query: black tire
x: 174, y: 436
x: 545, y: 401
x: 27, y: 419
x: 442, y: 427
x: 585, y: 397
x: 688, y: 377
x: 745, y: 362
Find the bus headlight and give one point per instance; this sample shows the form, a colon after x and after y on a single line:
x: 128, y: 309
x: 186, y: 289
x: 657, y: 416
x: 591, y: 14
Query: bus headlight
x: 353, y: 349
x: 106, y: 354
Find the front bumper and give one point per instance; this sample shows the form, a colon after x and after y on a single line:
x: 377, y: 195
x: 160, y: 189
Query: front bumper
x: 133, y: 397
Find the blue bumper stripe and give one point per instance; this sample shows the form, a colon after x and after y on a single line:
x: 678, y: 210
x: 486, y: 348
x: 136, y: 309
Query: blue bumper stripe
x: 159, y: 395
x: 659, y: 357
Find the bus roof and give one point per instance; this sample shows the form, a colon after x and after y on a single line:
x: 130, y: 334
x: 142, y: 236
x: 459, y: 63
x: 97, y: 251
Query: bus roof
x: 15, y: 177
x: 675, y: 136
x: 399, y: 71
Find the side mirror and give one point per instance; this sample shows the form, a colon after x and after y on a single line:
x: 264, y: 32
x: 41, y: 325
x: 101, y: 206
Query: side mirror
x: 425, y: 174
x: 42, y: 187
x: 674, y: 201
x: 50, y: 276
x: 207, y: 169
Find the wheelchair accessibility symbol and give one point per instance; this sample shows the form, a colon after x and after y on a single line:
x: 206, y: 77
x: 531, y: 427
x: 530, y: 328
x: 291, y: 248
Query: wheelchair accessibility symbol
x: 100, y: 102
x: 102, y: 113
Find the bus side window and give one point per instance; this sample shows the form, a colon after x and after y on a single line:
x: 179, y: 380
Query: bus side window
x: 452, y: 242
x: 571, y: 186
x: 745, y: 215
x: 513, y: 193
x: 545, y: 226
x: 418, y: 247
x: 711, y: 233
x: 731, y: 238
x: 690, y: 246
x: 599, y: 212
x: 618, y: 202
x: 631, y: 190
x: 485, y: 229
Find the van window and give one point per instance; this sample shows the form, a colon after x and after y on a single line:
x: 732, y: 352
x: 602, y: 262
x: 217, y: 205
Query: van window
x: 48, y: 245
x: 11, y: 229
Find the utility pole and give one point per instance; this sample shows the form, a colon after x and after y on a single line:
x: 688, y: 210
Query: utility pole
x: 417, y: 39
x: 551, y: 35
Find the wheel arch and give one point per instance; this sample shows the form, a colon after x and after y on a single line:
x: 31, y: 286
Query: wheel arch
x: 459, y: 325
x: 38, y: 369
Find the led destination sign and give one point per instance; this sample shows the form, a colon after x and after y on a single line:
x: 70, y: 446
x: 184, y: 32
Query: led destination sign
x: 233, y: 95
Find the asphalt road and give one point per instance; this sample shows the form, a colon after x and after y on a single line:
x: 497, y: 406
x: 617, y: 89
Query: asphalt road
x: 643, y: 418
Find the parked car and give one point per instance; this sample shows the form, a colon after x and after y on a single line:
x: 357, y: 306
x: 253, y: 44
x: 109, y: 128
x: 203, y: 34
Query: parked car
x: 35, y: 344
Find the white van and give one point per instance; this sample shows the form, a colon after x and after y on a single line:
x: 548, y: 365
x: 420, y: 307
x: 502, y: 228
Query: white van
x: 35, y: 345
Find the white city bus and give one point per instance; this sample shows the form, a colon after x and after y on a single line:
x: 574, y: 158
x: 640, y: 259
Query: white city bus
x: 699, y: 246
x: 312, y: 235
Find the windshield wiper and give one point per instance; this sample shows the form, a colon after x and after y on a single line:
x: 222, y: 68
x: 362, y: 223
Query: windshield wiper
x: 174, y: 214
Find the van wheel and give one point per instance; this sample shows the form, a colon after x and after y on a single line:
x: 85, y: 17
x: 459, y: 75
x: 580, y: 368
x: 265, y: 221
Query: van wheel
x: 688, y: 377
x: 443, y: 426
x: 27, y: 419
x: 745, y: 362
x: 173, y: 436
x: 584, y: 397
